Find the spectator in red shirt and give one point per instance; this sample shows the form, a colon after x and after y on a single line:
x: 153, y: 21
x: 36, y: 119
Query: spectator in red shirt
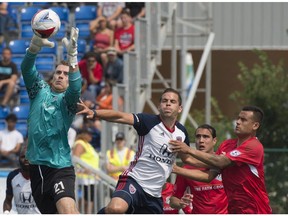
x: 208, y: 198
x: 241, y: 164
x: 92, y: 71
x: 124, y: 37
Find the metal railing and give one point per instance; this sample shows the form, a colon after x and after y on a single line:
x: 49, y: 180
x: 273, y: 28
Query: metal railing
x: 97, y: 193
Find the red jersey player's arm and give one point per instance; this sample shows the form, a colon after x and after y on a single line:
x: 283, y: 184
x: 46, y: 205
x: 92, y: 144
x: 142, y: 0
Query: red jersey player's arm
x: 213, y: 160
x: 197, y: 175
x: 188, y: 159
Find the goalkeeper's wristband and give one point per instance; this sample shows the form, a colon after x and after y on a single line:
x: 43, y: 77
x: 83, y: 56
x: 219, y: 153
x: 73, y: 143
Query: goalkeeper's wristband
x: 33, y: 48
x: 72, y: 61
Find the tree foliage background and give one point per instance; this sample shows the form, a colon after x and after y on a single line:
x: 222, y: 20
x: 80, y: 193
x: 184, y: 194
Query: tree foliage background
x: 266, y: 85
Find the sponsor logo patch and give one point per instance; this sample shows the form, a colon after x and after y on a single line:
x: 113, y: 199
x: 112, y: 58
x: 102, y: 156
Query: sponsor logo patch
x: 235, y: 153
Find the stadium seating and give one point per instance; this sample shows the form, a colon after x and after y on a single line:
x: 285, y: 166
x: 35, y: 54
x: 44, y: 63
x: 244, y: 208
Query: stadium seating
x: 27, y: 13
x: 64, y: 15
x: 82, y: 49
x: 22, y: 112
x: 22, y: 128
x: 2, y: 124
x: 16, y: 4
x: 48, y: 50
x: 4, y: 111
x: 46, y: 59
x: 13, y: 27
x: 41, y: 4
x: 2, y: 46
x: 83, y: 15
x: 23, y: 94
x: 26, y: 16
x: 21, y: 82
x: 17, y: 60
x: 18, y: 48
x: 45, y: 65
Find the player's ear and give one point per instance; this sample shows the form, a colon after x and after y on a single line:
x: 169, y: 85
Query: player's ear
x: 180, y: 109
x: 214, y: 141
x: 256, y: 125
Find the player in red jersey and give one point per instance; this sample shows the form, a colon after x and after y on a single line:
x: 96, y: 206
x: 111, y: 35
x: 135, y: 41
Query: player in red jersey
x: 241, y: 164
x: 208, y: 198
x: 167, y: 192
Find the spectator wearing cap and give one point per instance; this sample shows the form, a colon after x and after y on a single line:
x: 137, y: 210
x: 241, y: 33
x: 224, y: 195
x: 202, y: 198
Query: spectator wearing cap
x: 118, y: 157
x: 85, y: 151
x: 10, y: 141
x: 114, y: 68
x: 124, y: 37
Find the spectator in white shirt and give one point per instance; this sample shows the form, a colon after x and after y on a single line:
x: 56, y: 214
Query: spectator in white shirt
x: 10, y: 141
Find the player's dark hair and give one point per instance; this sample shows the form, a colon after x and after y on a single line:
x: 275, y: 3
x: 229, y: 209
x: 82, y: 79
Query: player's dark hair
x: 63, y: 62
x: 258, y: 113
x: 208, y: 127
x: 174, y: 91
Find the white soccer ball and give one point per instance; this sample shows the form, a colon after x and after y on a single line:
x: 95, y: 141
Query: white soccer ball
x: 45, y: 23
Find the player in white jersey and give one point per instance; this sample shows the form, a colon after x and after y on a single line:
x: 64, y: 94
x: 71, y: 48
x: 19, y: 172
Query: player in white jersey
x: 139, y: 187
x: 19, y: 188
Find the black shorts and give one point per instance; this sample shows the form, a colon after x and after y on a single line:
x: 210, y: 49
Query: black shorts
x: 51, y: 184
x: 138, y: 200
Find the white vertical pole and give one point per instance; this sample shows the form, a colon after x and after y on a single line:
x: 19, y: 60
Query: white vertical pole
x: 198, y: 75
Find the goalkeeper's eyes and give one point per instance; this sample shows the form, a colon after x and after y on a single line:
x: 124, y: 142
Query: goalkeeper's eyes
x: 58, y: 72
